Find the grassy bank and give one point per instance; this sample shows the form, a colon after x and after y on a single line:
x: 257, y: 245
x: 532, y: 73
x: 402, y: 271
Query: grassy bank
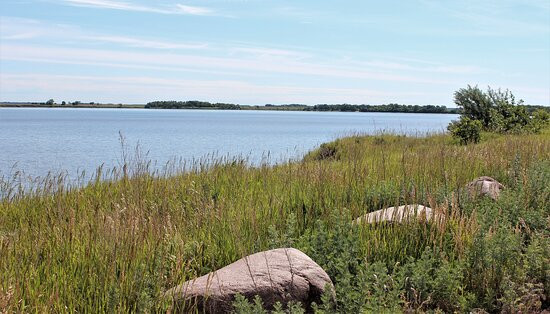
x: 116, y: 245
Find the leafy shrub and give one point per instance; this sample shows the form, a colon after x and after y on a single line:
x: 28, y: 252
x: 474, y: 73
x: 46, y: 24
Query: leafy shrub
x: 465, y: 130
x: 539, y: 120
x: 475, y: 104
x: 498, y: 111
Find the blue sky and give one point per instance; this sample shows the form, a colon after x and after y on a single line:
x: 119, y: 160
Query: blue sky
x: 262, y: 51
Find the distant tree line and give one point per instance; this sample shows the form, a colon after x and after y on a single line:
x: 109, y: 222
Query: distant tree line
x: 495, y: 111
x: 51, y: 103
x: 288, y: 106
x: 191, y: 104
x: 384, y: 108
x: 195, y: 104
x: 392, y: 107
x: 533, y: 108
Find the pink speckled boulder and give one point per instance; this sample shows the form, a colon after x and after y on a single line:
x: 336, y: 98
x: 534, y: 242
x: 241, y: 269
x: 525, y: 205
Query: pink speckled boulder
x: 282, y: 275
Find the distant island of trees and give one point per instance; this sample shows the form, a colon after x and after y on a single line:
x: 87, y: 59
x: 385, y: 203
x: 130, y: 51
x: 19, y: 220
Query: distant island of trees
x: 384, y: 108
x: 194, y: 104
x: 191, y: 104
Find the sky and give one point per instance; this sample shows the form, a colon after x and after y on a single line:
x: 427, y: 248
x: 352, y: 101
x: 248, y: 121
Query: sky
x: 272, y: 51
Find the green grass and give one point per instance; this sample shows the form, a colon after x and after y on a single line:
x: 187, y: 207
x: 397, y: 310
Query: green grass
x: 116, y: 245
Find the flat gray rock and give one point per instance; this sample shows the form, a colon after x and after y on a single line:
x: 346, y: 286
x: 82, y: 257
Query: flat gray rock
x: 485, y: 186
x: 282, y: 275
x: 398, y: 214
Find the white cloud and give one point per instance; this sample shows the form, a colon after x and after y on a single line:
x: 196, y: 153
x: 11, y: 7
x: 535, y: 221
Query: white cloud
x: 171, y: 61
x: 17, y: 29
x: 433, y: 67
x: 128, y: 6
x: 262, y: 59
x: 142, y: 89
x: 269, y: 52
x: 493, y: 18
x: 20, y: 36
x: 142, y: 43
x: 193, y: 10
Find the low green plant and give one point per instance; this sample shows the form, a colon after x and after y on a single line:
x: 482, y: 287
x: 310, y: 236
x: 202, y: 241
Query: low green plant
x: 242, y: 305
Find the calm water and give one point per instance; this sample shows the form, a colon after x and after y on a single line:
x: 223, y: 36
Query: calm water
x: 38, y: 140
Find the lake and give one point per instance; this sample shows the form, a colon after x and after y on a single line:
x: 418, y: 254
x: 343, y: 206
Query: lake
x: 39, y: 140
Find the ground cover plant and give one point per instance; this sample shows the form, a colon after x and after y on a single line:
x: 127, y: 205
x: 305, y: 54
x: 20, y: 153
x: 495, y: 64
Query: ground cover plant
x: 116, y: 245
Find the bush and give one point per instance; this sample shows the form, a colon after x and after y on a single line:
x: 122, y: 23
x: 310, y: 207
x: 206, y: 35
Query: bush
x: 539, y: 120
x: 498, y: 111
x: 475, y: 104
x: 466, y: 130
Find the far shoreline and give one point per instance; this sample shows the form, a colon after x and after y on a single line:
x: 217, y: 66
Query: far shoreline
x: 143, y: 106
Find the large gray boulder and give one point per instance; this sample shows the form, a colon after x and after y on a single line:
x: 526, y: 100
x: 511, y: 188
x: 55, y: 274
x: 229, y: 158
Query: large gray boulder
x: 282, y: 275
x: 399, y: 214
x: 485, y: 186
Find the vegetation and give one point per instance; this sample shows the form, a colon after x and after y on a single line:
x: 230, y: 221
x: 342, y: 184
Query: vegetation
x: 192, y: 104
x: 384, y: 108
x: 298, y: 107
x: 289, y: 107
x: 531, y: 109
x: 466, y: 130
x: 118, y: 243
x: 494, y: 111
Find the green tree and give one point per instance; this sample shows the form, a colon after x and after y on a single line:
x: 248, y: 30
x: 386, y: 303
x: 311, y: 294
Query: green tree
x: 50, y: 102
x: 539, y: 120
x: 475, y: 104
x: 497, y: 111
x: 466, y: 130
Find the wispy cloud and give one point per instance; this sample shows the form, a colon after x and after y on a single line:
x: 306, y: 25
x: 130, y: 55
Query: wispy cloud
x: 143, y: 88
x: 143, y: 43
x: 269, y: 52
x: 20, y: 36
x: 130, y: 6
x: 431, y: 67
x: 17, y: 29
x: 193, y: 10
x: 171, y: 61
x: 493, y: 18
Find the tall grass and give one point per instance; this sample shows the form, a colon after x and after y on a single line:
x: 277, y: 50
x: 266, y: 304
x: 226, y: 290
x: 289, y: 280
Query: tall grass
x: 117, y: 243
